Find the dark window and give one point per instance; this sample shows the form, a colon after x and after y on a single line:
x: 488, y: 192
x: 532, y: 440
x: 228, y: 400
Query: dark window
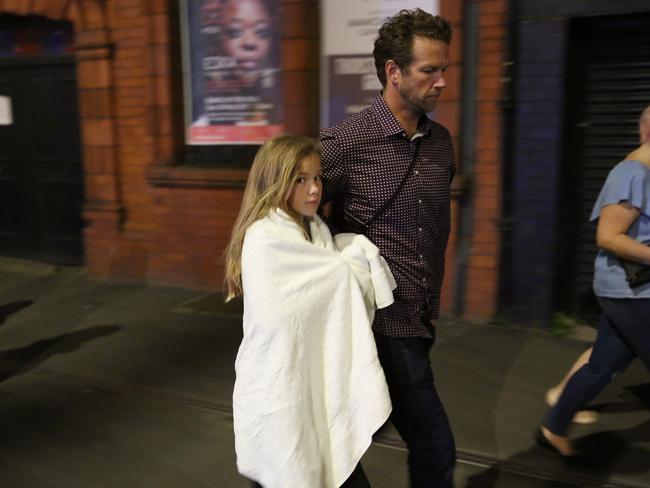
x: 35, y: 36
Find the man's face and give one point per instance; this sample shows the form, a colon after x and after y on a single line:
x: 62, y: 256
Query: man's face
x: 421, y: 82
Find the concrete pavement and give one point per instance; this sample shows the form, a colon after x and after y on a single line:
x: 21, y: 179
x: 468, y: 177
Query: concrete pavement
x: 109, y: 384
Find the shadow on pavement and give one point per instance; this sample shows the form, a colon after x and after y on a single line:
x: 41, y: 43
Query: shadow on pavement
x: 633, y: 398
x: 18, y: 361
x: 641, y: 392
x: 12, y: 307
x: 491, y: 478
x: 609, y: 453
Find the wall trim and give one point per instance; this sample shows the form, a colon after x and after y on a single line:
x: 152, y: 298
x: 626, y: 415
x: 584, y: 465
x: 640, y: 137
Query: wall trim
x: 194, y: 177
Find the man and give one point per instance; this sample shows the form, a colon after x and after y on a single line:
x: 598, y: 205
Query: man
x: 387, y: 173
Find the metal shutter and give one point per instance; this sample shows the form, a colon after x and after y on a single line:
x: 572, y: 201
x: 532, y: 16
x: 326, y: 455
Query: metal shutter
x: 612, y: 87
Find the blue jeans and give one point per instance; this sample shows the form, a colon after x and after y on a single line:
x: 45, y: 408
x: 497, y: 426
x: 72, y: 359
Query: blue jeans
x: 623, y: 335
x: 418, y: 414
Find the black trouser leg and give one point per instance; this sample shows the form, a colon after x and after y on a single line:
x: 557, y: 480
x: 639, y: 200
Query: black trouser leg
x: 357, y: 479
x: 418, y: 414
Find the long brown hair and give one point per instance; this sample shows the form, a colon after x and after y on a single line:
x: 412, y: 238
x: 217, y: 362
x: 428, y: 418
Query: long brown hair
x: 269, y: 184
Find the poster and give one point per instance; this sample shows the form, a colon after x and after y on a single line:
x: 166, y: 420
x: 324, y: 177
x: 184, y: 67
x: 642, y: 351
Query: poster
x: 349, y: 80
x: 231, y: 71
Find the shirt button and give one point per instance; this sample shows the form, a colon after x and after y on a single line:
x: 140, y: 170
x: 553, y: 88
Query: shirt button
x: 419, y: 201
x: 419, y: 229
x: 417, y: 172
x: 421, y: 256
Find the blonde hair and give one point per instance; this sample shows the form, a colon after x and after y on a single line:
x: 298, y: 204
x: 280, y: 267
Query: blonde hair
x: 644, y: 125
x: 269, y: 184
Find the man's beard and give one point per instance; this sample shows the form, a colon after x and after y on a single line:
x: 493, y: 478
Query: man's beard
x: 419, y: 106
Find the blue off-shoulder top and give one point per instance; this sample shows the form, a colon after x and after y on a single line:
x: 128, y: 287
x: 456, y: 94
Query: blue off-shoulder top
x: 628, y: 181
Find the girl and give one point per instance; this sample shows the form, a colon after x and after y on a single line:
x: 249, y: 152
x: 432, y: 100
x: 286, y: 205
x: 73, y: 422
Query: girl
x: 309, y: 390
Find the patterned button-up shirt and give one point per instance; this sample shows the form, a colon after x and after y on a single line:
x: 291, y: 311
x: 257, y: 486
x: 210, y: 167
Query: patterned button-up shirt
x: 365, y: 158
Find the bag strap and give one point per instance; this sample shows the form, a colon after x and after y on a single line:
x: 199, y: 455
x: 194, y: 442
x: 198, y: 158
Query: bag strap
x: 392, y: 198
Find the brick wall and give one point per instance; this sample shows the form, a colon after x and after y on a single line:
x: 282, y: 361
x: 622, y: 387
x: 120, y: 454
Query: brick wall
x: 481, y: 287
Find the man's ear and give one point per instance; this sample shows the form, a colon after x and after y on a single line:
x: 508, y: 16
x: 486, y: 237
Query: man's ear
x: 392, y: 71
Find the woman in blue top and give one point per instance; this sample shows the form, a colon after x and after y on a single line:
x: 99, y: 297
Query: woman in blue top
x: 622, y: 212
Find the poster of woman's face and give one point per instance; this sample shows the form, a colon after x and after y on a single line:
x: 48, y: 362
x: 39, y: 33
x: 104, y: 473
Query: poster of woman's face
x: 232, y: 75
x: 246, y: 33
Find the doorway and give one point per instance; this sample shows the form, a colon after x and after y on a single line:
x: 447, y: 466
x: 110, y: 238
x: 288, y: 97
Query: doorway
x: 607, y: 88
x: 41, y: 176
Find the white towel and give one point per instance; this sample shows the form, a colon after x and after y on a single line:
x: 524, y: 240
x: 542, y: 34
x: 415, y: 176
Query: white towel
x: 309, y: 392
x: 368, y: 265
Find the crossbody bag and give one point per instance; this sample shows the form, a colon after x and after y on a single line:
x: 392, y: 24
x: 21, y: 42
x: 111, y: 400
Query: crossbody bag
x: 636, y: 274
x: 347, y: 216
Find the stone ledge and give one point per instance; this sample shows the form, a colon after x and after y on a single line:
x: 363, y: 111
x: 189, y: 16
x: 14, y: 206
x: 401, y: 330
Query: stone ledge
x: 195, y: 177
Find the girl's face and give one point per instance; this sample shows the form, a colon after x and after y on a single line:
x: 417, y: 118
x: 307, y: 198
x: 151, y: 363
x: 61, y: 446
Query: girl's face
x: 307, y: 187
x: 247, y: 26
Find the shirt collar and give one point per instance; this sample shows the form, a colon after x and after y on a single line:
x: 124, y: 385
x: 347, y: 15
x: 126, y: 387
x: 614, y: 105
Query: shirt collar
x: 390, y: 125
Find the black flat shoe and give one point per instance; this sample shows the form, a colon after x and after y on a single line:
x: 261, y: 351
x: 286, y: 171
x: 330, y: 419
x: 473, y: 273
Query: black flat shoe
x: 542, y: 441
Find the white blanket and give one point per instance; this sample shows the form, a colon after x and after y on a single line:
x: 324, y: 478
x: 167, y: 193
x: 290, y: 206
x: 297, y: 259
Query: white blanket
x: 310, y: 391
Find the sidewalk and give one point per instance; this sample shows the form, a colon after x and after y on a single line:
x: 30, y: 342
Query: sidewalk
x: 108, y: 384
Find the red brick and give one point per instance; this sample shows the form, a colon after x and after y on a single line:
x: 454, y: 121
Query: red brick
x: 491, y: 19
x: 491, y: 72
x: 456, y: 46
x: 95, y: 103
x: 163, y: 90
x: 448, y: 114
x: 99, y: 159
x: 452, y: 10
x: 300, y: 87
x: 74, y: 14
x: 93, y: 16
x: 491, y: 32
x: 299, y: 20
x: 161, y: 60
x: 97, y: 132
x: 301, y: 118
x: 19, y: 7
x: 93, y: 73
x: 298, y: 54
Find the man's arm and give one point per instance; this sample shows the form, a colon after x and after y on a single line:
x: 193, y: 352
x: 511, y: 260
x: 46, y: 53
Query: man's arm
x: 334, y: 176
x: 333, y: 167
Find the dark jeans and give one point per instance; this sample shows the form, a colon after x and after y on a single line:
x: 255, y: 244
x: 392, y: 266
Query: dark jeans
x: 623, y: 334
x: 356, y: 480
x: 418, y: 414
